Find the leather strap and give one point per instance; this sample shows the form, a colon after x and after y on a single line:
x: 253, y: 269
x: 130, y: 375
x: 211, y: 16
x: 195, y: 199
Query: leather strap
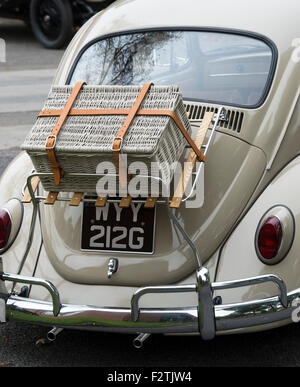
x: 200, y: 156
x: 76, y: 199
x: 117, y: 144
x: 51, y: 140
x: 51, y: 198
x: 101, y: 201
x: 150, y: 202
x: 110, y: 112
x: 125, y: 202
x: 191, y: 161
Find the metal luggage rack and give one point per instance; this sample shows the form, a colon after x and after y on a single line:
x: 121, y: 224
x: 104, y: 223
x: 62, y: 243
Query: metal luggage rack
x: 205, y: 316
x: 31, y: 194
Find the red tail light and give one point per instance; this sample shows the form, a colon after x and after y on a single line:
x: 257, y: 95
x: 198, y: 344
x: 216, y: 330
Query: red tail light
x: 5, y: 228
x: 269, y: 237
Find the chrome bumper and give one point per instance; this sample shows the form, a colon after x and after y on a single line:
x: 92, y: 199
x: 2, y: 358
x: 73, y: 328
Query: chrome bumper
x: 205, y: 318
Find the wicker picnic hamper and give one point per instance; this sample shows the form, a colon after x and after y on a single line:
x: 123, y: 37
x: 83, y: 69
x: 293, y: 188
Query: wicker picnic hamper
x: 86, y: 140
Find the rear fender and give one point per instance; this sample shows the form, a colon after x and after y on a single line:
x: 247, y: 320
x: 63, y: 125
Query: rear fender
x: 238, y: 257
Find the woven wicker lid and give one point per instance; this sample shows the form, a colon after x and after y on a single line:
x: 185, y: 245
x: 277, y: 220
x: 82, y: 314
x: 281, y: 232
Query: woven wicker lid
x: 95, y: 134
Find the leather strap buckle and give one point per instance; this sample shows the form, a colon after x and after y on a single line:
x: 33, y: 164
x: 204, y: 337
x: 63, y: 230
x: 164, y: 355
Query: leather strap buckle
x: 54, y: 142
x: 120, y: 145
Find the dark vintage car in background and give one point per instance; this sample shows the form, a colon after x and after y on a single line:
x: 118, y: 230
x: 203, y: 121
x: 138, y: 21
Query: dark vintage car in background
x: 52, y: 21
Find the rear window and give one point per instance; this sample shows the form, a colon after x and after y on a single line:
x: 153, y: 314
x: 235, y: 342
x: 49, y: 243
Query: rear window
x: 207, y: 66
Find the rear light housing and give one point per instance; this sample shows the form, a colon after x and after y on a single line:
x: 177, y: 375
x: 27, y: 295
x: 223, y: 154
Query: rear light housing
x: 11, y: 219
x: 270, y: 237
x: 275, y: 235
x: 5, y: 228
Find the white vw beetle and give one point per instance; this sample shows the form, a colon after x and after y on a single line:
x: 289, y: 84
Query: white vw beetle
x: 226, y: 264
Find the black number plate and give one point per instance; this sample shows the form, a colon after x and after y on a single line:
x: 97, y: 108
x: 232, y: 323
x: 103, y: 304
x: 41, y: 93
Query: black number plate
x: 112, y: 228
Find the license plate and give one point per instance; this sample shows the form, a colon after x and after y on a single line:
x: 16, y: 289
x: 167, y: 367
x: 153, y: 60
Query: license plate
x: 115, y: 229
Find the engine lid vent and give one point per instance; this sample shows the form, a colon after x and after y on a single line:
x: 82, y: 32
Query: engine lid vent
x: 232, y: 119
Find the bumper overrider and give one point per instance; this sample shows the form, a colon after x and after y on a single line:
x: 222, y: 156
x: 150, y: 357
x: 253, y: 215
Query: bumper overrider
x: 205, y: 318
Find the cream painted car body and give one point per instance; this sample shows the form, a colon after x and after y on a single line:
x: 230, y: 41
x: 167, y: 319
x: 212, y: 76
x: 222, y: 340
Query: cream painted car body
x: 263, y: 173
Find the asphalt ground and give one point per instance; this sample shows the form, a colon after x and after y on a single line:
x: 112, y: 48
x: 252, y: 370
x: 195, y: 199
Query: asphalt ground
x: 76, y: 349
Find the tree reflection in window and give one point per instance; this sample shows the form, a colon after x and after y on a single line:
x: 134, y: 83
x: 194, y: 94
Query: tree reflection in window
x: 126, y: 59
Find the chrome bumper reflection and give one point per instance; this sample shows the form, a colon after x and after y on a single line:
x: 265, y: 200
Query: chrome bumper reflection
x: 103, y: 319
x: 205, y: 318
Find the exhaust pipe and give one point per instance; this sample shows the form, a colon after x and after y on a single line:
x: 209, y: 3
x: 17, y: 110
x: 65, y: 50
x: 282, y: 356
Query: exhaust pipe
x: 138, y: 342
x: 51, y: 336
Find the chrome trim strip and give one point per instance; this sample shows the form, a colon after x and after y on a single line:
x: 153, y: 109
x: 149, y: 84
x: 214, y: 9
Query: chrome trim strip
x: 237, y: 74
